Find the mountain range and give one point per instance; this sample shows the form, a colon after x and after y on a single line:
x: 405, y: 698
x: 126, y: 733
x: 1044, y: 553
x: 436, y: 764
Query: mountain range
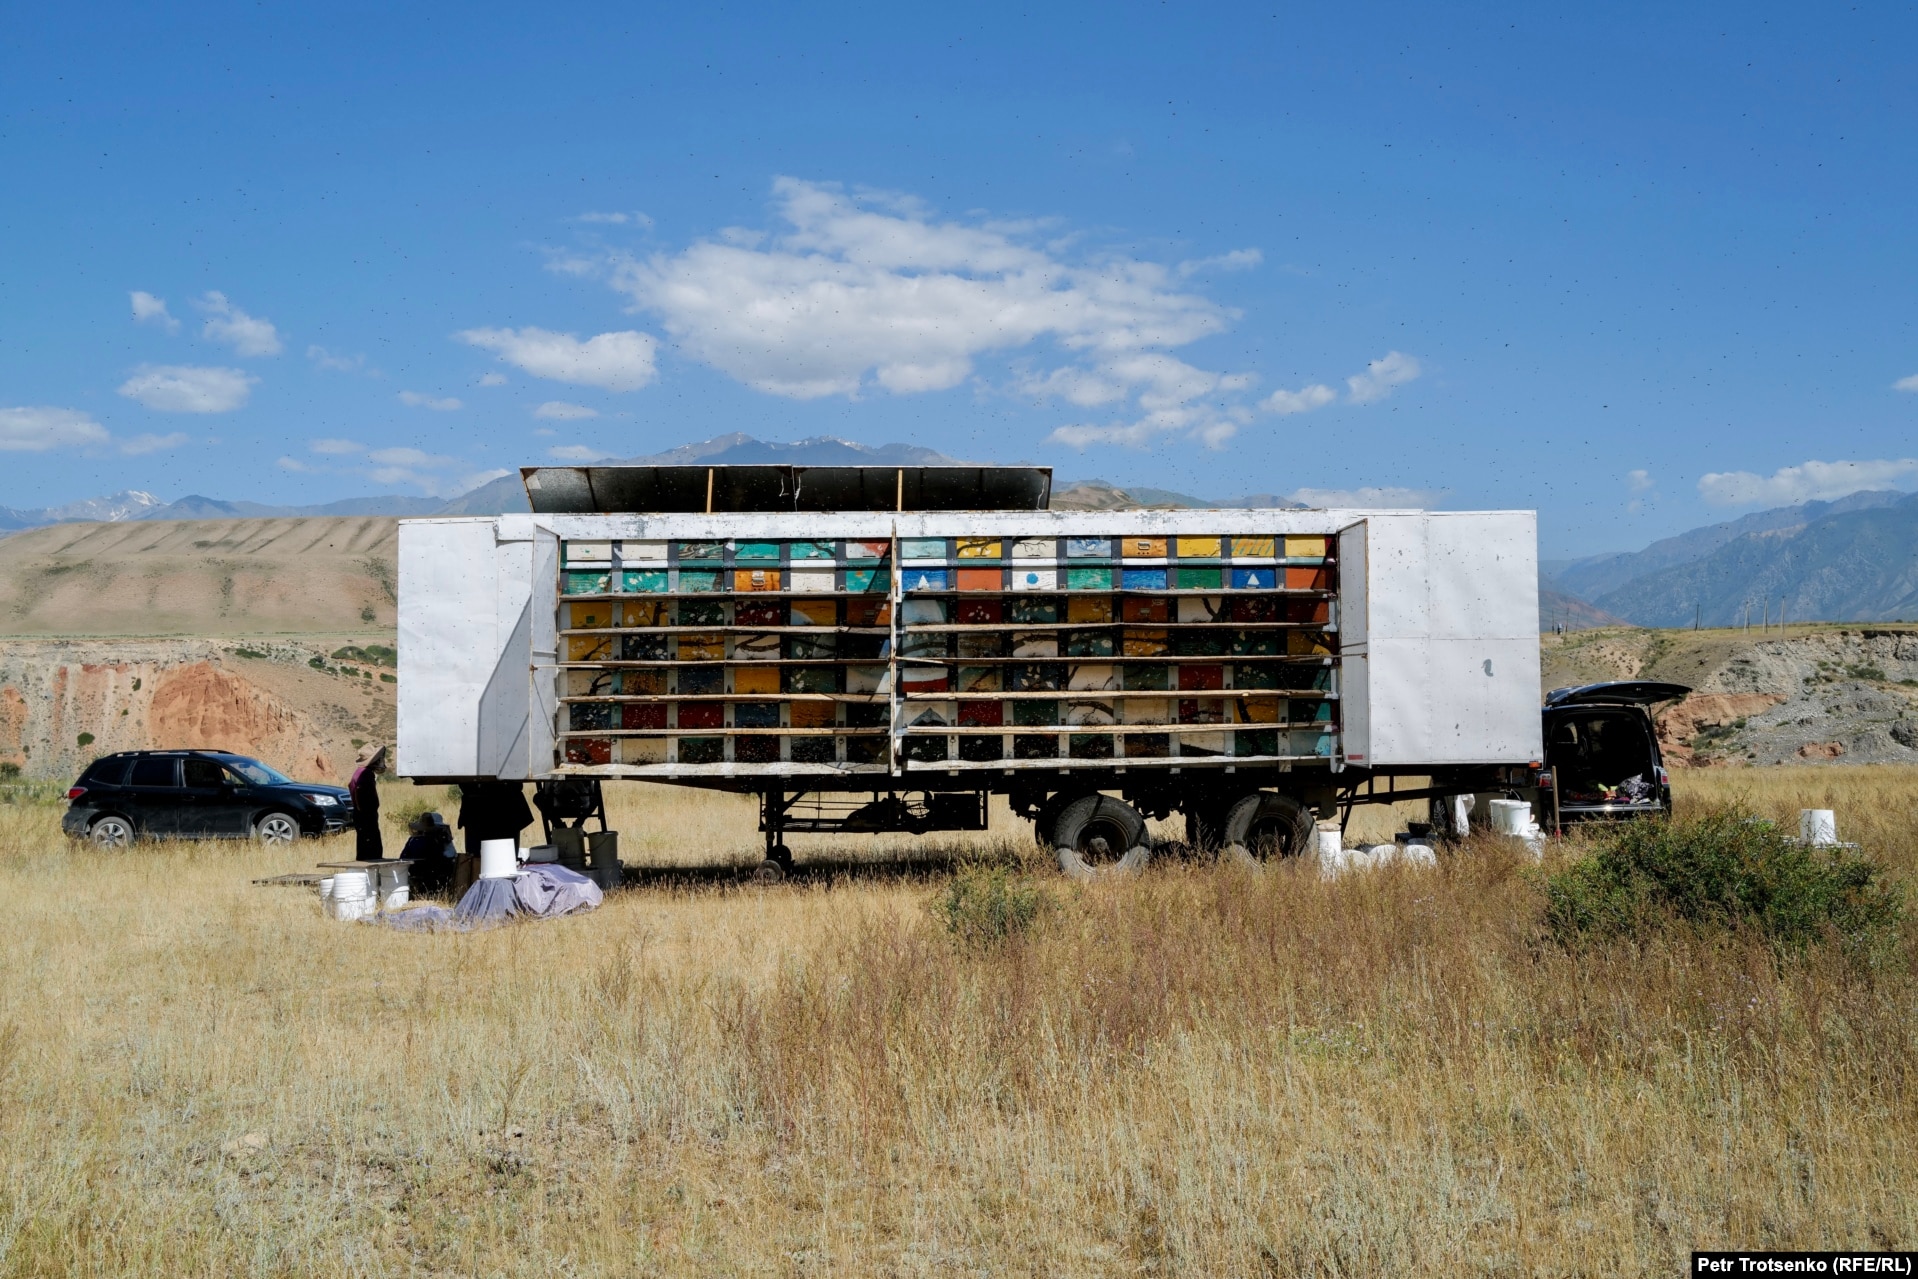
x: 1852, y: 559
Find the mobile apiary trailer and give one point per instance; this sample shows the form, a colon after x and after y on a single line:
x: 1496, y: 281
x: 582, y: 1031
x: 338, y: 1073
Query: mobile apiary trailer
x: 883, y: 648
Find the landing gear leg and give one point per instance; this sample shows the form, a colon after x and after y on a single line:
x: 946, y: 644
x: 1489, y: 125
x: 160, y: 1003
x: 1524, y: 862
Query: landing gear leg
x: 772, y: 819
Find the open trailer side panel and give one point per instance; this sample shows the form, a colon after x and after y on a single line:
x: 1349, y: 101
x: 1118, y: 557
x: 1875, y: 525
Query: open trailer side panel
x: 1451, y: 659
x: 465, y: 626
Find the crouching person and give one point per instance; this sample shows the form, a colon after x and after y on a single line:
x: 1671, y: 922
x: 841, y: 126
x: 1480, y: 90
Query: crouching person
x: 430, y: 849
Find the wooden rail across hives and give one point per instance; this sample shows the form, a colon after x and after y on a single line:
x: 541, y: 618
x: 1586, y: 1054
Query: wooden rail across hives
x: 812, y: 655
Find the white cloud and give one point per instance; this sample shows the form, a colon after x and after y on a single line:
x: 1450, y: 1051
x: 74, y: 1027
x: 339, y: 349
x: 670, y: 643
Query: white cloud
x: 1236, y: 260
x: 37, y: 429
x: 1381, y: 377
x: 336, y: 446
x: 561, y: 411
x: 1639, y: 481
x: 434, y: 474
x: 576, y: 453
x: 419, y: 401
x: 1806, y: 482
x: 246, y: 334
x: 302, y: 468
x: 140, y: 445
x: 186, y: 388
x: 854, y: 291
x: 492, y: 379
x: 870, y: 290
x: 336, y: 362
x: 1906, y: 383
x: 1385, y: 498
x: 612, y: 361
x: 410, y: 457
x: 148, y: 309
x: 1303, y: 400
x: 616, y: 219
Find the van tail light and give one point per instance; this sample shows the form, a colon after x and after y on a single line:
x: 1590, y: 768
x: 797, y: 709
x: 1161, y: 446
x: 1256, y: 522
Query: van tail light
x: 74, y: 792
x: 1664, y: 778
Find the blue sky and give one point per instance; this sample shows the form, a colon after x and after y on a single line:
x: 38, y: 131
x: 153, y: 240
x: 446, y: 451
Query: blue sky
x: 1637, y: 268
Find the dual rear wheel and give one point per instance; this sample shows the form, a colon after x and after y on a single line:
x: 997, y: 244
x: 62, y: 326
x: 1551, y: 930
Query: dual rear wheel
x: 1094, y: 834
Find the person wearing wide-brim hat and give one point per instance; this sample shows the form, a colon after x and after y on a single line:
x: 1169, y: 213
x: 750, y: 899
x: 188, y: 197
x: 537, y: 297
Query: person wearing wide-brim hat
x: 364, y: 788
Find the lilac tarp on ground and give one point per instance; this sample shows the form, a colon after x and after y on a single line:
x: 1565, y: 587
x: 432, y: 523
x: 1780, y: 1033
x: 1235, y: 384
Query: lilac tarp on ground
x: 488, y: 901
x: 542, y: 890
x: 547, y: 890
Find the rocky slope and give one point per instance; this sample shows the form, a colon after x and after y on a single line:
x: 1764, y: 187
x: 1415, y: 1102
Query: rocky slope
x: 64, y: 702
x: 1829, y: 693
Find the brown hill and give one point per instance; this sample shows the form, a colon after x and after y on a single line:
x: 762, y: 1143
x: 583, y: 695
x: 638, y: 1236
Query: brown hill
x: 201, y: 577
x: 64, y: 702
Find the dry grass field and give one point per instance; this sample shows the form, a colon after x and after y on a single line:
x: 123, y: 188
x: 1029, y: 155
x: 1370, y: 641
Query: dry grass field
x: 1198, y: 1072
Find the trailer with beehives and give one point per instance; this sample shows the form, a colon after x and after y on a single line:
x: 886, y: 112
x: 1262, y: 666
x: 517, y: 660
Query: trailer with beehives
x: 870, y: 648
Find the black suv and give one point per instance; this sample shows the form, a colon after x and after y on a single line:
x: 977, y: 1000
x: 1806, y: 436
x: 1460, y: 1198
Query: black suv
x: 198, y: 795
x: 1601, y: 750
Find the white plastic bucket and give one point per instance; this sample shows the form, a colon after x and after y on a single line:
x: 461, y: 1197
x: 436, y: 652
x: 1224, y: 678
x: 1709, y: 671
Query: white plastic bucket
x: 351, y: 886
x: 393, y: 891
x: 499, y: 858
x: 1511, y: 816
x: 1331, y: 841
x: 326, y: 889
x: 1817, y: 826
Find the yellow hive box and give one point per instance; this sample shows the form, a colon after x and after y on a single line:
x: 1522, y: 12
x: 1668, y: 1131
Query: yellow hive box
x: 757, y: 679
x: 1306, y: 644
x: 1142, y: 548
x: 1199, y: 548
x: 590, y: 616
x: 1088, y: 608
x: 815, y: 612
x: 756, y: 579
x: 1253, y: 548
x: 978, y: 548
x: 1260, y: 710
x: 1305, y: 548
x: 588, y: 648
x: 811, y: 714
x: 647, y: 613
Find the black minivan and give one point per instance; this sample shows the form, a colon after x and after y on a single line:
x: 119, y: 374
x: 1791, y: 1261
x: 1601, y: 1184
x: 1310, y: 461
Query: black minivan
x: 198, y: 795
x: 1601, y: 751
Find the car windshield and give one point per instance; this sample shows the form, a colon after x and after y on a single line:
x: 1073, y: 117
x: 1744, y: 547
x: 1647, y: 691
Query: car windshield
x: 257, y: 773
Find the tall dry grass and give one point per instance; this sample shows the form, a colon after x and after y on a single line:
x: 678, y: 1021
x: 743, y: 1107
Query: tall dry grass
x: 1200, y: 1071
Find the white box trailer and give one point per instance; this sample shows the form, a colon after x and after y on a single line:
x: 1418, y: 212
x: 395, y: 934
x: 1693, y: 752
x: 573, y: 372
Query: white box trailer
x: 925, y: 637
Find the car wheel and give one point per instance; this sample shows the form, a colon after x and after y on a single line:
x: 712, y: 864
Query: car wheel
x: 111, y: 832
x: 276, y: 828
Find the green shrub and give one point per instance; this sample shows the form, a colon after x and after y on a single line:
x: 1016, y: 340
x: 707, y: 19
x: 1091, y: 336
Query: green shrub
x: 983, y: 905
x: 1723, y: 869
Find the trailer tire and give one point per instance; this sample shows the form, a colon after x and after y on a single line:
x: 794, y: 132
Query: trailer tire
x: 1113, y: 822
x: 1265, y: 825
x: 1047, y: 818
